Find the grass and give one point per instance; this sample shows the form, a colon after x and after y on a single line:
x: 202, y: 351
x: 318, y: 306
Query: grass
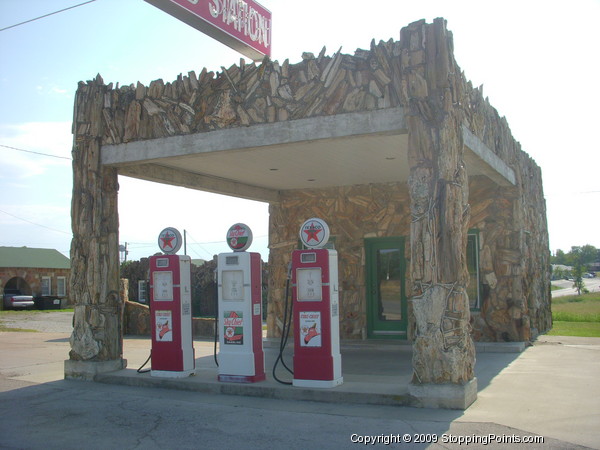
x: 5, y: 328
x: 576, y: 315
x: 577, y: 308
x: 581, y: 329
x: 9, y: 313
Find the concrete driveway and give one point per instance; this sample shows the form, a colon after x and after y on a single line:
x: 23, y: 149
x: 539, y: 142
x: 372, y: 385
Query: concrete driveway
x: 550, y: 390
x: 566, y: 287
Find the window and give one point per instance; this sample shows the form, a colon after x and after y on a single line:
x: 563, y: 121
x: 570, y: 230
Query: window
x: 46, y: 286
x: 142, y: 292
x: 473, y: 290
x: 61, y: 286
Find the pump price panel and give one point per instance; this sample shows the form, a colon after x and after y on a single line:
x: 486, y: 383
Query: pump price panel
x: 171, y: 316
x: 317, y: 358
x: 239, y: 276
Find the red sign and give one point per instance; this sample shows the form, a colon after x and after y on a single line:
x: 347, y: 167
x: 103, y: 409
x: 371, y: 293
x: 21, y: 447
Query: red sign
x: 243, y: 25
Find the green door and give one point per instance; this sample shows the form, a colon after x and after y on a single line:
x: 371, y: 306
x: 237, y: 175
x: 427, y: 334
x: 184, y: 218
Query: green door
x: 386, y: 297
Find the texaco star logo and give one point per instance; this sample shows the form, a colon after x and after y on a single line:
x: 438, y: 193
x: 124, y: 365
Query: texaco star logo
x: 169, y: 240
x: 312, y: 232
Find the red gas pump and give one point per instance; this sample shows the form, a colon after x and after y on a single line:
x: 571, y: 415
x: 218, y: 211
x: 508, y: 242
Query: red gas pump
x: 171, y: 309
x: 315, y: 296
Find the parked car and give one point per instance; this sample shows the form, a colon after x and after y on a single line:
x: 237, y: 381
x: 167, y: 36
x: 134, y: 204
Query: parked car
x: 13, y: 299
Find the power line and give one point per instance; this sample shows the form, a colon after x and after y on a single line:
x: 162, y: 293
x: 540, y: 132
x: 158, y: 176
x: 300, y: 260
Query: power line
x: 46, y: 15
x: 33, y: 223
x: 36, y: 153
x: 201, y: 248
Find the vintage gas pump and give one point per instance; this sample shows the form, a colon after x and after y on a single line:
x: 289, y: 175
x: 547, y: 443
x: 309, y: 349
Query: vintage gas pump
x: 315, y: 296
x: 171, y: 309
x: 239, y: 275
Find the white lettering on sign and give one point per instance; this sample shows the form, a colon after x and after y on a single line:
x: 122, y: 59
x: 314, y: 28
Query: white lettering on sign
x: 233, y: 321
x: 244, y: 18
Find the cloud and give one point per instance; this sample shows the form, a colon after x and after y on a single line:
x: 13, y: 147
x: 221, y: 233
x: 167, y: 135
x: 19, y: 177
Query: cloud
x: 57, y: 90
x: 49, y: 138
x: 51, y: 89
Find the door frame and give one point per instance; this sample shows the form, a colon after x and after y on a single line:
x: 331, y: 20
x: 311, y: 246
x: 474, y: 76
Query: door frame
x: 372, y: 245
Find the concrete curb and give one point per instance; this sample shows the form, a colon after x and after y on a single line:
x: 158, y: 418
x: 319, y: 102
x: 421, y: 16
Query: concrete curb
x: 349, y: 392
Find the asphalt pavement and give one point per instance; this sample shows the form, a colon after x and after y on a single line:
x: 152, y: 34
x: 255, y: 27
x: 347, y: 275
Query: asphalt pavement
x: 548, y: 391
x: 566, y: 287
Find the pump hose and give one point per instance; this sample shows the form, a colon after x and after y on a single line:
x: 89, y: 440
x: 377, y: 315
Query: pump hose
x: 142, y: 366
x: 216, y: 319
x: 150, y: 355
x: 285, y: 331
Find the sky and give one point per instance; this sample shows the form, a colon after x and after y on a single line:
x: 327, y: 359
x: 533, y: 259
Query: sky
x: 537, y: 61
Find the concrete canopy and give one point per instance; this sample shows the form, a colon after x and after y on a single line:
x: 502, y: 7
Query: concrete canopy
x: 257, y: 162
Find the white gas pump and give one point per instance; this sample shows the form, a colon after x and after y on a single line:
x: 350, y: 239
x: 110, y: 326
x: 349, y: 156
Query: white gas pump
x: 315, y: 297
x: 239, y: 275
x: 171, y: 309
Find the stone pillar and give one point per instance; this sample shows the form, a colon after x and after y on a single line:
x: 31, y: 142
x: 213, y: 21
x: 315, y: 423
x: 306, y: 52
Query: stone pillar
x: 443, y: 351
x: 97, y: 339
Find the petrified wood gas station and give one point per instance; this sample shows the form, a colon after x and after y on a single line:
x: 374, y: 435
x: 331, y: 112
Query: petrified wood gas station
x: 436, y: 213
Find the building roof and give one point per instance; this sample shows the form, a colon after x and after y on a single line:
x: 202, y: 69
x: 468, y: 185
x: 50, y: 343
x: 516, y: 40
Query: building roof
x: 25, y: 257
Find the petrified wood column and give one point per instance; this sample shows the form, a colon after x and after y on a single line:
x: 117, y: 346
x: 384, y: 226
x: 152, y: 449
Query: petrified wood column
x: 96, y: 342
x: 443, y: 351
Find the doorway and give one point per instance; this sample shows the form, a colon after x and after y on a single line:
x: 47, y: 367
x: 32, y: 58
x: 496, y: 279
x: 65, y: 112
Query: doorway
x: 386, y: 297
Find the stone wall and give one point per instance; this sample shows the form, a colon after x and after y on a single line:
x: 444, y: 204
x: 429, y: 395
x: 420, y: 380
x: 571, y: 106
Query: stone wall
x: 249, y: 94
x: 513, y: 261
x: 353, y: 213
x: 514, y: 244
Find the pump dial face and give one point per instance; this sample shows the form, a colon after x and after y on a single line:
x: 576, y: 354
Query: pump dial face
x: 314, y: 233
x: 169, y: 241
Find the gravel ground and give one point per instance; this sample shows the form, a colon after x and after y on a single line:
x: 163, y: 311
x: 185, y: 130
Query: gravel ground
x: 44, y: 321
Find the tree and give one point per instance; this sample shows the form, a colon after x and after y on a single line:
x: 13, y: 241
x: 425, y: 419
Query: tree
x: 589, y: 253
x: 577, y: 255
x: 559, y: 258
x: 578, y: 278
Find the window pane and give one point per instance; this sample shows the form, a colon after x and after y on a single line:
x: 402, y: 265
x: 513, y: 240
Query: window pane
x: 388, y: 275
x: 472, y: 265
x: 45, y: 286
x: 61, y: 286
x: 142, y: 291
